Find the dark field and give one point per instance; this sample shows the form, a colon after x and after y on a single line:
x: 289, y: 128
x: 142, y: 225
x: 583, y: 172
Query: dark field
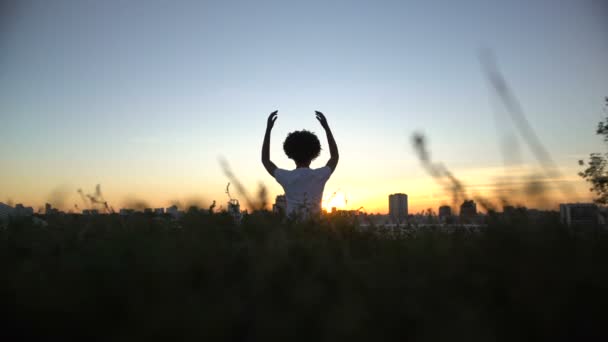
x: 204, y: 278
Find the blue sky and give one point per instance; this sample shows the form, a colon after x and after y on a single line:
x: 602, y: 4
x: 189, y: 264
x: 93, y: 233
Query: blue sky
x: 144, y: 96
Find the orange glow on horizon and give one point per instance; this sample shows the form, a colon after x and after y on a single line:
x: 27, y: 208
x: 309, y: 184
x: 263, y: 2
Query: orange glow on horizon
x: 334, y: 200
x: 351, y: 190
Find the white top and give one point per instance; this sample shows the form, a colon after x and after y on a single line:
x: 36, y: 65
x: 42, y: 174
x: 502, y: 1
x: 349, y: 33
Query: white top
x: 303, y: 189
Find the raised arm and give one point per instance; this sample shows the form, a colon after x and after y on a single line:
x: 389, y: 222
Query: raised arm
x: 270, y: 167
x: 333, y: 148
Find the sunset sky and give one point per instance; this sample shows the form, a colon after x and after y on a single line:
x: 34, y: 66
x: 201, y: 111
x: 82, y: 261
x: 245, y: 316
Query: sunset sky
x: 144, y: 97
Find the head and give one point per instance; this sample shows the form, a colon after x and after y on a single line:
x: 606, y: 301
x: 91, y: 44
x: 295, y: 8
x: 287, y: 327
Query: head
x: 302, y: 146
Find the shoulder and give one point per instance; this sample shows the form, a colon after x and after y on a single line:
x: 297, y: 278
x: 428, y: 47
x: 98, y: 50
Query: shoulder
x: 281, y: 174
x: 324, y: 171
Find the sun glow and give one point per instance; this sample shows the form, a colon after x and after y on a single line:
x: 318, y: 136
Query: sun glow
x: 335, y: 200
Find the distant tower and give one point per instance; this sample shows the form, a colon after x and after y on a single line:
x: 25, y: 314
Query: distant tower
x: 49, y: 210
x: 508, y: 210
x: 397, y: 207
x: 579, y: 214
x: 173, y: 211
x: 468, y: 210
x: 445, y: 212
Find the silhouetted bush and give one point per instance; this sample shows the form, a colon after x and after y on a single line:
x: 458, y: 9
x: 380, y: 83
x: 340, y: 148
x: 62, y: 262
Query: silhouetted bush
x: 206, y: 278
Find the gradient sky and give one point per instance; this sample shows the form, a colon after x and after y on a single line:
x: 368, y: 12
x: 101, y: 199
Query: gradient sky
x: 143, y: 97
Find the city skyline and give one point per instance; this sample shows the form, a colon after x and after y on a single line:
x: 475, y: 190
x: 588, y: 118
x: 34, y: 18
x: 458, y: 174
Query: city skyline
x: 145, y: 97
x: 397, y: 203
x: 304, y: 170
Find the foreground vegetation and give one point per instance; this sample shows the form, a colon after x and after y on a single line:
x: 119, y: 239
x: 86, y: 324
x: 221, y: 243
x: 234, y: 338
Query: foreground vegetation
x: 205, y: 278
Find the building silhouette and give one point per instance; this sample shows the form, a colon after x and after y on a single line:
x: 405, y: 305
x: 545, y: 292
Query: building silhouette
x: 5, y: 211
x: 21, y: 210
x: 468, y: 210
x: 509, y: 210
x: 510, y: 213
x: 126, y: 212
x: 90, y: 212
x: 578, y: 214
x: 445, y: 213
x: 397, y: 207
x: 49, y: 210
x: 173, y: 211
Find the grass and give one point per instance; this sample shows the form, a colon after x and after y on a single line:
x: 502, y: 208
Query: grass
x: 205, y: 278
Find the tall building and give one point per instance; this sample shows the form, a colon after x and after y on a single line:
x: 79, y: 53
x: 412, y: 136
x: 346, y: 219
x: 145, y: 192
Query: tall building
x: 126, y: 212
x: 579, y: 214
x: 21, y: 210
x: 173, y: 211
x: 397, y: 207
x: 468, y: 210
x: 445, y: 211
x: 49, y: 210
x: 5, y: 211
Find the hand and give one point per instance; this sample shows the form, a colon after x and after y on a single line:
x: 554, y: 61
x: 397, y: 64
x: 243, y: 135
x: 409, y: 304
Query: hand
x: 271, y: 119
x: 322, y: 119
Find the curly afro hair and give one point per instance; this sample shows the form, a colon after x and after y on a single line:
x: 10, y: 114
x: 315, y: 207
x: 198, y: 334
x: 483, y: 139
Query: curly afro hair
x: 302, y: 146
